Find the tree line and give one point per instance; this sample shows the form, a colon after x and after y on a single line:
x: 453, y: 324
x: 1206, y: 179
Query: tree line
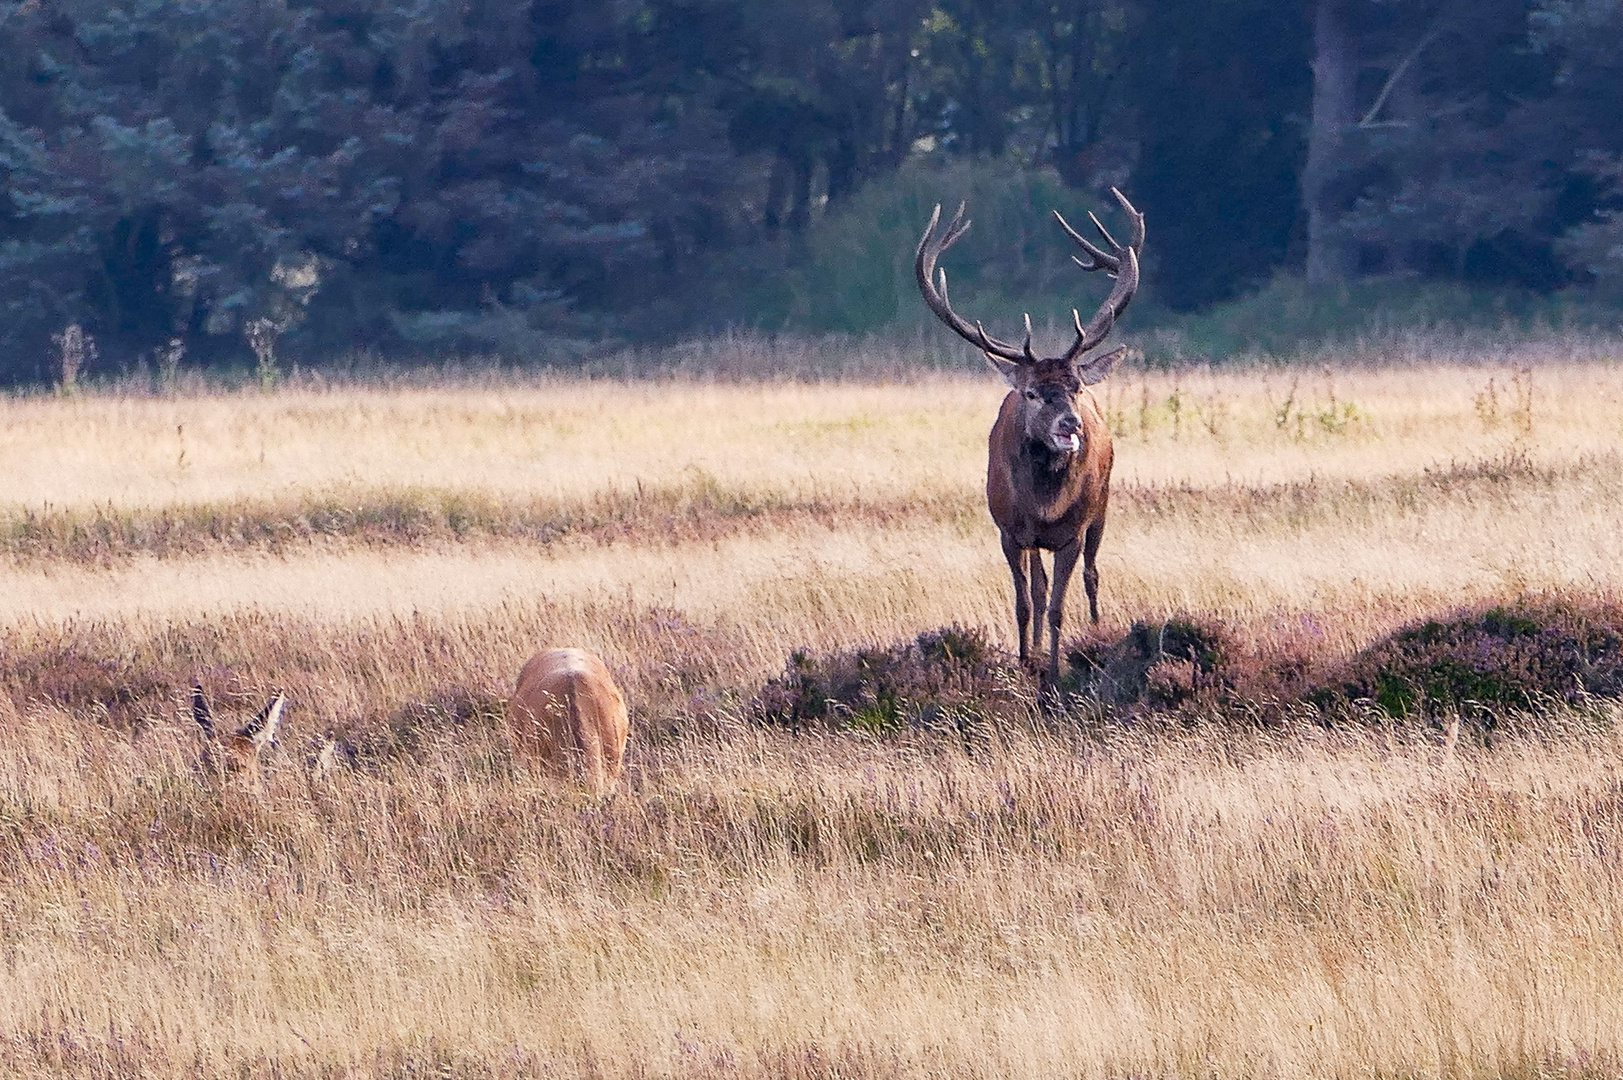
x: 215, y: 178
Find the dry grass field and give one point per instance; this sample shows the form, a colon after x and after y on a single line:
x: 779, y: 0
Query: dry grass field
x: 1068, y: 896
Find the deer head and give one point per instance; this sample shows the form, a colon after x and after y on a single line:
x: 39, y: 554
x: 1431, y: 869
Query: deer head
x: 1048, y: 387
x: 237, y: 751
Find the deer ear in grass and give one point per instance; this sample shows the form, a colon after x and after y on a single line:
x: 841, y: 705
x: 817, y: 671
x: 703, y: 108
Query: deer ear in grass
x: 239, y: 751
x: 201, y: 711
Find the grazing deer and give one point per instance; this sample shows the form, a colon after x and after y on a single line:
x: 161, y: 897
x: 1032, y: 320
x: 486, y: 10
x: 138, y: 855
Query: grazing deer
x: 237, y: 752
x: 568, y: 714
x: 1048, y: 469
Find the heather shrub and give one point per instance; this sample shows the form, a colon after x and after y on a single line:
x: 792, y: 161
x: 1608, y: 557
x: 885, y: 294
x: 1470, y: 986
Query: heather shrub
x: 1158, y: 665
x: 944, y: 678
x: 1504, y: 657
x: 88, y: 674
x: 414, y: 729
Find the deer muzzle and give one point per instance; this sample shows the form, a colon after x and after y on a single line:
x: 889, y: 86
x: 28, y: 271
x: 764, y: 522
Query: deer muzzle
x: 1065, y: 432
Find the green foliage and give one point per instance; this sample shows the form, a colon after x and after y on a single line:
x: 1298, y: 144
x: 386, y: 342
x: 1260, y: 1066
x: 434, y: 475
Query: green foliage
x: 191, y: 170
x: 1286, y: 317
x: 856, y: 276
x: 1219, y: 91
x: 535, y: 181
x: 857, y: 272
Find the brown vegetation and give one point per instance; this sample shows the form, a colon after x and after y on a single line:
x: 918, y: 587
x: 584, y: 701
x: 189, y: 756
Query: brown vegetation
x: 756, y: 903
x: 1193, y: 872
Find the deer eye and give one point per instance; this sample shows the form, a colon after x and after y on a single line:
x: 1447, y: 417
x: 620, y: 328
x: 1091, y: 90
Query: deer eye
x: 1031, y: 395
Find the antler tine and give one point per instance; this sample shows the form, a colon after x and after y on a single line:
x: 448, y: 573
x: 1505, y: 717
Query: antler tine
x: 955, y: 228
x: 1104, y: 232
x: 1099, y: 327
x: 1135, y: 239
x: 929, y: 230
x: 1123, y: 265
x: 1031, y: 357
x: 982, y: 338
x: 924, y: 269
x: 1097, y: 259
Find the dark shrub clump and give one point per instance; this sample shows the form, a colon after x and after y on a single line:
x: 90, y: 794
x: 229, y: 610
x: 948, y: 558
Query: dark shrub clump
x: 1161, y: 665
x: 1482, y: 662
x: 1514, y: 656
x: 113, y: 684
x: 945, y: 678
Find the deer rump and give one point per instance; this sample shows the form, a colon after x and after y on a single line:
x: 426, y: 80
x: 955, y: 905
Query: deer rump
x: 569, y: 716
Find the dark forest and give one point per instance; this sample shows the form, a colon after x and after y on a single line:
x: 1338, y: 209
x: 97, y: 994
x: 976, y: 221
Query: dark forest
x: 211, y: 179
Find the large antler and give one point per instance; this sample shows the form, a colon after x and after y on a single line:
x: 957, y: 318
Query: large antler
x: 930, y: 249
x: 1121, y: 263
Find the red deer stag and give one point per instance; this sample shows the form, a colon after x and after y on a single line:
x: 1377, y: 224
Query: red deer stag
x: 239, y: 751
x: 1048, y: 470
x: 568, y: 714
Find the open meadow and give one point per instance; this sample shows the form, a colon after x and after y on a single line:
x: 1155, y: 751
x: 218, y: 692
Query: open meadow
x: 1089, y: 894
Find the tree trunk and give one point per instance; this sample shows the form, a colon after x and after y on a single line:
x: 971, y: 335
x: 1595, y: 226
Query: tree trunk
x: 1330, y: 257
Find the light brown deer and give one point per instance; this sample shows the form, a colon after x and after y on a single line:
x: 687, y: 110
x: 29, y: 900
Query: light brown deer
x: 237, y: 752
x: 1048, y: 468
x: 568, y: 715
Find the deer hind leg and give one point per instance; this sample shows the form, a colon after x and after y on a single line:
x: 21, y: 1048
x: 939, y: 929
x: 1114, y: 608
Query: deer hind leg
x: 1064, y: 564
x: 1090, y: 572
x: 593, y: 774
x: 1022, y: 601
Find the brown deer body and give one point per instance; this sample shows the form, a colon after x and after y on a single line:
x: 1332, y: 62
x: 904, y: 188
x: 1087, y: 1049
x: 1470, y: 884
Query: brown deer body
x: 568, y: 715
x: 1049, y: 454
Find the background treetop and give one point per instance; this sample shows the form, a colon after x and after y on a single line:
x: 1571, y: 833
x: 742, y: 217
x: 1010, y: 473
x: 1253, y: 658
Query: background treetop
x: 417, y: 176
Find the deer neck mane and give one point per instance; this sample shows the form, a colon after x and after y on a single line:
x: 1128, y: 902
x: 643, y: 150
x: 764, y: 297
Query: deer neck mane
x: 1045, y: 473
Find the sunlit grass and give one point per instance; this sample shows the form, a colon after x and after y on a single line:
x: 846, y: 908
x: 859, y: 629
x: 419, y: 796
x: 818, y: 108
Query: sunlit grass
x: 756, y: 904
x: 1044, y: 900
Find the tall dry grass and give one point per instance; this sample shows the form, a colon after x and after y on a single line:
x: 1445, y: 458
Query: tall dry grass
x: 1045, y: 900
x: 554, y: 439
x: 754, y: 904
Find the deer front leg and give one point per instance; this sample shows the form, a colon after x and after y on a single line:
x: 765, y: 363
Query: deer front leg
x: 1039, y: 599
x: 1022, y: 602
x: 1064, y: 563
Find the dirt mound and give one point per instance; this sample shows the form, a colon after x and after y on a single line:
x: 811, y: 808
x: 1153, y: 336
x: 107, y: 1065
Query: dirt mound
x: 1161, y: 665
x: 1486, y: 662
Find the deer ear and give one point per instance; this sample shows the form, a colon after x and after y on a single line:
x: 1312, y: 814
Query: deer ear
x: 1009, y: 369
x: 262, y: 728
x: 1094, y: 370
x: 201, y: 711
